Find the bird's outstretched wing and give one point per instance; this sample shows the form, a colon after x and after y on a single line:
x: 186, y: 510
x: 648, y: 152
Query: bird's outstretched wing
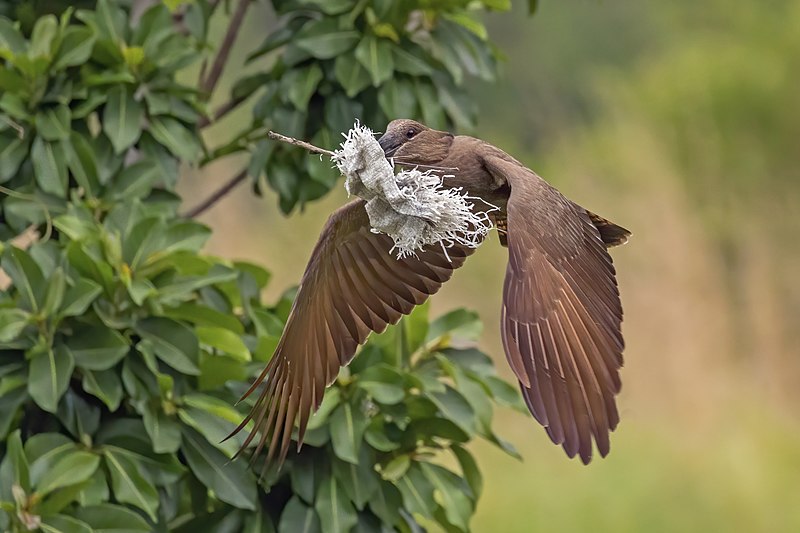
x: 353, y: 285
x: 561, y: 313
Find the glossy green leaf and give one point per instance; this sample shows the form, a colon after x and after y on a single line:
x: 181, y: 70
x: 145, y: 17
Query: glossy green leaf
x: 351, y: 74
x: 383, y: 383
x: 396, y: 98
x: 14, y: 469
x: 299, y: 517
x: 456, y: 408
x: 79, y: 297
x: 50, y: 167
x: 347, y: 427
x: 122, y: 118
x: 232, y: 482
x: 176, y: 137
x: 300, y: 84
x: 12, y: 322
x: 71, y: 468
x: 449, y: 493
x: 26, y: 276
x: 376, y: 56
x: 458, y: 323
x: 13, y: 151
x: 324, y: 40
x: 53, y: 123
x: 60, y: 523
x: 469, y: 467
x: 76, y: 47
x: 48, y: 376
x: 335, y: 510
x: 359, y: 482
x: 97, y: 348
x: 128, y: 483
x: 110, y: 518
x: 54, y: 294
x: 164, y: 430
x: 173, y: 343
x: 224, y: 340
x: 407, y: 62
x: 417, y: 491
x: 105, y: 385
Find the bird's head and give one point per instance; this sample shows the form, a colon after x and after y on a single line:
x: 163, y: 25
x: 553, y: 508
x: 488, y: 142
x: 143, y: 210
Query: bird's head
x: 409, y: 142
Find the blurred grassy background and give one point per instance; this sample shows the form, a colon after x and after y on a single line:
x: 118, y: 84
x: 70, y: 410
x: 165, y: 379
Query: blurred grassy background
x: 680, y: 121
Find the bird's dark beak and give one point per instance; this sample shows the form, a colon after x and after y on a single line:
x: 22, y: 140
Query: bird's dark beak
x: 388, y: 144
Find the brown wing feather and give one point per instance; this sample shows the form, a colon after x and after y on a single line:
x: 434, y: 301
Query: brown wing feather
x: 561, y: 318
x: 352, y: 286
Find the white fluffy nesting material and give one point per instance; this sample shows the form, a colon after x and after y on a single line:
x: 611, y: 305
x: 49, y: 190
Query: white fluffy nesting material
x: 412, y: 207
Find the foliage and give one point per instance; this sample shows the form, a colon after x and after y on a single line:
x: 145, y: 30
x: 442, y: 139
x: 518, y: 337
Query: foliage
x: 123, y: 348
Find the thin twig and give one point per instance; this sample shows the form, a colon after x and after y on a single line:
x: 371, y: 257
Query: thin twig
x: 223, y: 110
x: 225, y: 49
x: 302, y: 144
x: 216, y: 196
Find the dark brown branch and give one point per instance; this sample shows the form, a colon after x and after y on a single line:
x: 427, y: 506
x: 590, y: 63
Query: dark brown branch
x: 225, y: 49
x: 216, y: 196
x: 226, y: 108
x: 297, y: 142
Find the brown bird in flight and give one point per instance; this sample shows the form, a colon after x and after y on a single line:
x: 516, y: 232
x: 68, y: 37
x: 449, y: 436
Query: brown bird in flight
x: 561, y: 312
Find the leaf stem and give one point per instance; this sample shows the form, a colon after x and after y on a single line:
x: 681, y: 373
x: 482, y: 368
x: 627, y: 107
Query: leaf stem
x: 221, y: 58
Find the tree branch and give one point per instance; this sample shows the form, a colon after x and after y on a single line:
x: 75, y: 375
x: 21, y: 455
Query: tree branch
x: 225, y: 49
x: 302, y: 144
x: 216, y: 196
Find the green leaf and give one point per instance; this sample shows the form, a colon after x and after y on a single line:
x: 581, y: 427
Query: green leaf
x: 12, y: 322
x: 335, y: 510
x: 459, y: 323
x: 50, y: 166
x: 164, y: 431
x: 396, y: 468
x: 405, y: 61
x: 128, y: 483
x: 359, y: 482
x: 533, y: 5
x: 455, y: 407
x: 26, y: 276
x: 417, y: 491
x: 79, y: 297
x: 111, y: 21
x: 97, y: 348
x: 383, y: 383
x: 48, y: 377
x: 105, y: 385
x: 376, y: 56
x: 396, y: 98
x: 232, y: 482
x: 54, y: 294
x: 72, y: 468
x: 449, y: 493
x: 200, y: 315
x: 324, y: 40
x: 14, y: 469
x: 109, y: 518
x: 54, y: 123
x: 298, y: 517
x: 10, y: 403
x: 224, y: 340
x: 42, y: 36
x: 122, y: 118
x: 135, y: 181
x: 347, y: 427
x: 173, y: 343
x: 13, y: 152
x: 76, y: 47
x: 299, y: 85
x: 469, y: 468
x: 60, y: 523
x: 351, y: 75
x: 176, y: 137
x: 10, y: 37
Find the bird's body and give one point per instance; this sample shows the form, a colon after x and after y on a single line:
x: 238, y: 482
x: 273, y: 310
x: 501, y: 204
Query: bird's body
x: 561, y: 312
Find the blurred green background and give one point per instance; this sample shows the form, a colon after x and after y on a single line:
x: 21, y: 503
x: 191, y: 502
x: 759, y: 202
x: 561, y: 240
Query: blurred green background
x: 680, y: 121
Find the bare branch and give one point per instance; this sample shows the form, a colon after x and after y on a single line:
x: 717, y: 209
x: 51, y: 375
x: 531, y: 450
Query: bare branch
x: 297, y: 142
x: 216, y: 196
x: 225, y: 49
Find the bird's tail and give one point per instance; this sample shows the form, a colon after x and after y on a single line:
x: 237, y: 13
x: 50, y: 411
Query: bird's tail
x: 611, y: 234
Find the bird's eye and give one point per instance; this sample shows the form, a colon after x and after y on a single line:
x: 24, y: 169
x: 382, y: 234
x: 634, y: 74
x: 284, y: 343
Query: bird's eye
x: 410, y: 133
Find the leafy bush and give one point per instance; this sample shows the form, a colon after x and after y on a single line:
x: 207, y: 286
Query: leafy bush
x: 123, y: 348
